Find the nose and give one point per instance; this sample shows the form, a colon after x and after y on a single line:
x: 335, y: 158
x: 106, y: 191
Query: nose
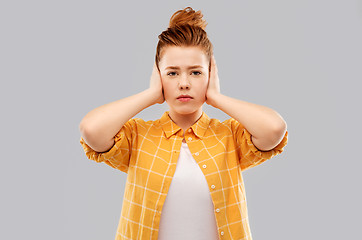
x: 184, y: 82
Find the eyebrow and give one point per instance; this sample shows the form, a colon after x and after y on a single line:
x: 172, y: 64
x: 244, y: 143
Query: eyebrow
x: 191, y: 67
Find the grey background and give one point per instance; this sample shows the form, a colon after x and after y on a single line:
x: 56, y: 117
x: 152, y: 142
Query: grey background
x: 61, y: 59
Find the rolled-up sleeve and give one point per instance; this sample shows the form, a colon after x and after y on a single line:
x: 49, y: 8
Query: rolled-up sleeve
x: 118, y: 156
x: 249, y: 155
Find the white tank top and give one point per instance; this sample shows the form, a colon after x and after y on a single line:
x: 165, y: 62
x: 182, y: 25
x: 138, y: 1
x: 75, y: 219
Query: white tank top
x: 188, y: 211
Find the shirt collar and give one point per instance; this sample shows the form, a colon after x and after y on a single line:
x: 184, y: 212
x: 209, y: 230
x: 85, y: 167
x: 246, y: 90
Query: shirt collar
x: 170, y: 128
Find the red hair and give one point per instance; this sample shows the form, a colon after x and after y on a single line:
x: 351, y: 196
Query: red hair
x: 186, y: 28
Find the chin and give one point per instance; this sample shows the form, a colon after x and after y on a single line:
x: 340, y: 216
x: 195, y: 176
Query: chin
x: 186, y: 110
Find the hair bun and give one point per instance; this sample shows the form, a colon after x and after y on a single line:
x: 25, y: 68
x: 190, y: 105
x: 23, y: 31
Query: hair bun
x: 187, y: 16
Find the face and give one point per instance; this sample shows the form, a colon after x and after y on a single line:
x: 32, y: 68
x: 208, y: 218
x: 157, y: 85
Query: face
x: 184, y: 71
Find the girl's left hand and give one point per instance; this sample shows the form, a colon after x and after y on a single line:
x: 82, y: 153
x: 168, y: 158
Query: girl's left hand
x: 213, y: 88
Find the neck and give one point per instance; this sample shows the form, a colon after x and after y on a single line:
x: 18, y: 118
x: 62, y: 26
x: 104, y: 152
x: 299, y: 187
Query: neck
x: 185, y: 121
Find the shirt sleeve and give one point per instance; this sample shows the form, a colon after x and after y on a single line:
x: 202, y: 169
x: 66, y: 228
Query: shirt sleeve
x: 119, y: 154
x: 249, y: 155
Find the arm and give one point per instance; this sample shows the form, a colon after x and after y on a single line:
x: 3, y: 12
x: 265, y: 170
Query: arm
x: 100, y: 125
x: 265, y: 125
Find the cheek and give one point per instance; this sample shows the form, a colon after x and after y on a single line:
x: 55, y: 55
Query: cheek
x: 168, y: 89
x: 205, y: 83
x: 203, y: 87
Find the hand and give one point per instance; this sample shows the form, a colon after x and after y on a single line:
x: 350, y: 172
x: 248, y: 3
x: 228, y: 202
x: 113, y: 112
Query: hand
x: 213, y: 88
x: 156, y: 85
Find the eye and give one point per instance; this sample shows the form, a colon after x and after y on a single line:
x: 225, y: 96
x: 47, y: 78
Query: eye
x: 171, y: 73
x: 197, y: 72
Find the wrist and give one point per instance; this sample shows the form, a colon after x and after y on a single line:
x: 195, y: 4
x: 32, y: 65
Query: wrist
x: 153, y: 95
x: 213, y: 99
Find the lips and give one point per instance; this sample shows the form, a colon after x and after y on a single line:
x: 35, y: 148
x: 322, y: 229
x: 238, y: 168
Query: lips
x: 184, y: 96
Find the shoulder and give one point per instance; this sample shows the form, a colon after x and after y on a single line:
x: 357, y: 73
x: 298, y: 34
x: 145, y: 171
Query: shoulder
x: 228, y: 125
x: 140, y: 123
x: 221, y: 128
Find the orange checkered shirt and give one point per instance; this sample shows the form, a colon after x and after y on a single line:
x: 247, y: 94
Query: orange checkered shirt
x: 148, y: 151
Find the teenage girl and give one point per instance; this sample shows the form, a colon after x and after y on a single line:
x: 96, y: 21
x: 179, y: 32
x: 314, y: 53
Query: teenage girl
x: 184, y: 170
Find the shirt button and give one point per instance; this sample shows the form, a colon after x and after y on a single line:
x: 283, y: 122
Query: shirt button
x: 212, y: 186
x: 190, y: 138
x: 204, y: 166
x: 222, y: 233
x: 217, y: 210
x: 190, y: 130
x: 197, y: 154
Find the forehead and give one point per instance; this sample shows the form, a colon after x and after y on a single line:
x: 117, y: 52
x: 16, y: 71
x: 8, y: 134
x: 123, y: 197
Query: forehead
x: 183, y: 57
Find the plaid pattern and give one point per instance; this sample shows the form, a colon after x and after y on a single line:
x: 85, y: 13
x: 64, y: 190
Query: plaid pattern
x: 148, y: 151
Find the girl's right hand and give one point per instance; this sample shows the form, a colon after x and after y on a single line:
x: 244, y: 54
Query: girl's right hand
x: 156, y: 85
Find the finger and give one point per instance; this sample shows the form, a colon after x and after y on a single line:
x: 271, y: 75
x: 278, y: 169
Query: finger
x: 212, y: 60
x: 214, y: 63
x: 155, y: 68
x: 213, y: 69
